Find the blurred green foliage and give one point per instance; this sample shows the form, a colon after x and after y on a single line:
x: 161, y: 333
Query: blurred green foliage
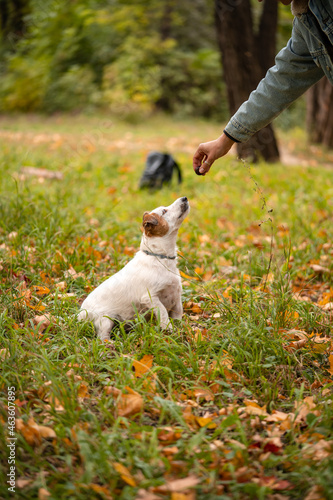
x: 128, y: 55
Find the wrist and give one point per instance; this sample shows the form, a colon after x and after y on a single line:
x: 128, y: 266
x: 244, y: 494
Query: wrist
x: 229, y: 136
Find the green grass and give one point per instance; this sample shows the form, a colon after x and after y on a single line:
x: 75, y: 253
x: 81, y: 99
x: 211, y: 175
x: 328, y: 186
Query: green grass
x: 233, y: 401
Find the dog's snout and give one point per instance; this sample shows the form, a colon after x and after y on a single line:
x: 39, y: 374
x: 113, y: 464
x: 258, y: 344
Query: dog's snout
x: 184, y: 199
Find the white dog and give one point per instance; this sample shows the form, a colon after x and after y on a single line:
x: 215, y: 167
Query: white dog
x: 149, y: 281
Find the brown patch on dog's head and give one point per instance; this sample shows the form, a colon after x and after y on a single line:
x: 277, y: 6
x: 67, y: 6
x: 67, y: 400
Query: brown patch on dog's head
x: 154, y: 225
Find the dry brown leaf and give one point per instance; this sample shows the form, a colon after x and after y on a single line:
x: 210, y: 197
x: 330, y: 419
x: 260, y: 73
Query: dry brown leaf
x: 178, y: 485
x: 22, y: 482
x: 41, y: 290
x: 252, y: 408
x: 101, y: 490
x: 32, y: 432
x: 43, y: 494
x: 319, y: 269
x: 62, y: 285
x: 71, y: 273
x: 316, y: 493
x: 320, y: 450
x: 83, y: 391
x: 125, y: 474
x: 43, y: 321
x: 146, y: 495
x: 304, y: 407
x: 168, y: 435
x: 143, y: 366
x: 129, y: 405
x: 4, y: 353
x: 202, y: 393
x: 277, y: 416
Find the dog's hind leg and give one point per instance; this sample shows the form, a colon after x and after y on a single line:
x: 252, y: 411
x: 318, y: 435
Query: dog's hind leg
x: 103, y: 326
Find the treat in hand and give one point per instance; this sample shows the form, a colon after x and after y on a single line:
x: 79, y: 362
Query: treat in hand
x: 197, y: 170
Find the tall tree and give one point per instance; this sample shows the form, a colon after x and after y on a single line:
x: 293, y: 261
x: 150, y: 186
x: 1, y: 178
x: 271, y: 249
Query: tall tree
x: 246, y: 55
x: 12, y: 13
x: 319, y: 113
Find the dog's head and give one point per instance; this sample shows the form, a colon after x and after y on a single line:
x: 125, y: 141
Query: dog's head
x: 165, y: 220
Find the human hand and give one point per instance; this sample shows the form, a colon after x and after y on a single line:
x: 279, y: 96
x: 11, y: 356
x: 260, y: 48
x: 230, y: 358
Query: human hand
x: 208, y: 152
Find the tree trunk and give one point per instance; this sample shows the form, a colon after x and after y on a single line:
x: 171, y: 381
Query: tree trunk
x: 245, y: 59
x: 319, y: 113
x: 12, y: 24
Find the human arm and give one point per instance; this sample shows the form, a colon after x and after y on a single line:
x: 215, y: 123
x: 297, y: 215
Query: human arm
x: 294, y: 72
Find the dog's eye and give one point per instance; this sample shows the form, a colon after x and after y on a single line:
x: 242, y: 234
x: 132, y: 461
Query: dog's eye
x: 164, y: 211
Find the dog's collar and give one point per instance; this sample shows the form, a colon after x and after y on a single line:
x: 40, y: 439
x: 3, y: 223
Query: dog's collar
x: 159, y: 255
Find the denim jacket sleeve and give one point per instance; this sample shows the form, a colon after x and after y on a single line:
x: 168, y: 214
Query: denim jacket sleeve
x: 294, y: 72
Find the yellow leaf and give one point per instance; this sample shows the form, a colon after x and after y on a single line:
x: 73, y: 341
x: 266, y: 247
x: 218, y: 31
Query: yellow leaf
x: 125, y: 474
x: 206, y: 422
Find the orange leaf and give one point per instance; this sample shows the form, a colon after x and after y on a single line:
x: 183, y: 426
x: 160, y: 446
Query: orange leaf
x: 83, y: 390
x: 41, y: 290
x: 125, y: 474
x: 143, y: 366
x: 129, y: 404
x: 186, y: 276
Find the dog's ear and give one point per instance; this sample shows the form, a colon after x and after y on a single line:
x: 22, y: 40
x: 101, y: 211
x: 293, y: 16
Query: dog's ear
x: 149, y: 220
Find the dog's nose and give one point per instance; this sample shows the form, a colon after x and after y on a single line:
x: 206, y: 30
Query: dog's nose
x: 184, y: 198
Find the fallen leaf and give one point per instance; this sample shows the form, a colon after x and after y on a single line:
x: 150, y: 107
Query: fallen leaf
x: 168, y: 435
x: 302, y: 408
x: 129, y: 404
x: 4, y: 353
x: 252, y: 408
x: 206, y: 422
x: 319, y: 269
x: 143, y: 366
x: 125, y: 474
x: 316, y: 493
x: 83, y: 391
x: 43, y: 494
x: 22, y: 482
x: 32, y: 432
x: 178, y: 485
x: 146, y: 495
x: 43, y: 321
x: 41, y: 290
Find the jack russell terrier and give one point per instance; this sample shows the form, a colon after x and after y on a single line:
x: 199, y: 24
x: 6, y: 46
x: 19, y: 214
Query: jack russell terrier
x: 150, y: 280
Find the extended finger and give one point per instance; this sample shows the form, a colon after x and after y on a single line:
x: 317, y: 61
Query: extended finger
x: 198, y: 158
